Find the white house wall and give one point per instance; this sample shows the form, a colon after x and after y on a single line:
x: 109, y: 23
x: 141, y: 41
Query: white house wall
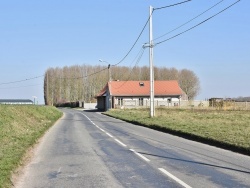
x: 134, y: 102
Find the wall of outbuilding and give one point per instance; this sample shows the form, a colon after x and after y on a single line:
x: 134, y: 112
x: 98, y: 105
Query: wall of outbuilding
x: 133, y: 102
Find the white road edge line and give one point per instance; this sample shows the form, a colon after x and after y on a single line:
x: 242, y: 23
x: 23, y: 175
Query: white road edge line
x: 59, y: 170
x: 109, y: 135
x: 120, y: 142
x: 174, y: 178
x: 101, y: 129
x: 140, y: 155
x: 86, y: 117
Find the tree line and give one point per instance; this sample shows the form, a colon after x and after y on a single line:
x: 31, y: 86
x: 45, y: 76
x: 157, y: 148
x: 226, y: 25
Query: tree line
x: 83, y: 82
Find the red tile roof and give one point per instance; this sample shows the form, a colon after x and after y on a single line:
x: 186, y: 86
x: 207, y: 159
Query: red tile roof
x: 142, y: 88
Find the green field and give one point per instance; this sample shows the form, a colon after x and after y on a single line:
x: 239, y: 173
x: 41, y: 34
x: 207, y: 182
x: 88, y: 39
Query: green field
x: 20, y: 128
x: 227, y: 129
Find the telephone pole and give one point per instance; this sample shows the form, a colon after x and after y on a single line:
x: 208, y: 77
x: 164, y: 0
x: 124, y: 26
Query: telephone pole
x: 151, y: 46
x: 109, y: 69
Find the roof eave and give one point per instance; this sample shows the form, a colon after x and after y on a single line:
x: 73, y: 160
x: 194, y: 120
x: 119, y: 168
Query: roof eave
x: 128, y: 95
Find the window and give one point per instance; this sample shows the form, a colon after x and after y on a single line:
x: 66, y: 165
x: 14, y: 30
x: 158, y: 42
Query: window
x: 141, y: 84
x: 140, y: 101
x: 120, y: 101
x: 169, y: 100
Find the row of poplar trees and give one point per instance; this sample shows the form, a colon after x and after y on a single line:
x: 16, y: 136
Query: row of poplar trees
x: 83, y: 83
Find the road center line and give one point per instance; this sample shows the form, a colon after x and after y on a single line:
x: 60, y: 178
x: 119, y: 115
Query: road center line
x: 109, y: 135
x: 101, y: 129
x: 124, y: 145
x: 174, y: 178
x: 140, y: 155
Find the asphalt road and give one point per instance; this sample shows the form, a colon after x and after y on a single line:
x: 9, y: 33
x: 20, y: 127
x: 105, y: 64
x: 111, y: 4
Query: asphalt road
x: 88, y: 149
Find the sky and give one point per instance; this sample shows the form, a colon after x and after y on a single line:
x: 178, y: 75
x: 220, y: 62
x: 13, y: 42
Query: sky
x: 37, y: 35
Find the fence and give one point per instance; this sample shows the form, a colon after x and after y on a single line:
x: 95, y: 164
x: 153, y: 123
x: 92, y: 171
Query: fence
x: 162, y: 103
x: 199, y: 104
x: 232, y: 105
x: 194, y: 103
x: 146, y: 103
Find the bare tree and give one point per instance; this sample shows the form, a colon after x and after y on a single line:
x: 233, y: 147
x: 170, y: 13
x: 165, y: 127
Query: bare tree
x: 189, y: 83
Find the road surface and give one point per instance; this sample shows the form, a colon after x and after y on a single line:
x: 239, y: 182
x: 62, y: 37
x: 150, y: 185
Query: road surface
x: 88, y: 149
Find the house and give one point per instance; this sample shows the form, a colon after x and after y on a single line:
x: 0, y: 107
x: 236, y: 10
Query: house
x: 16, y: 101
x: 131, y: 94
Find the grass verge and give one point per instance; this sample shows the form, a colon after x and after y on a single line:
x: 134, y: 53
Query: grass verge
x: 226, y: 129
x: 20, y: 128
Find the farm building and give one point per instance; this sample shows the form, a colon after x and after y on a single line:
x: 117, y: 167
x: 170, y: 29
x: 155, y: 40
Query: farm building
x: 131, y: 94
x: 16, y: 101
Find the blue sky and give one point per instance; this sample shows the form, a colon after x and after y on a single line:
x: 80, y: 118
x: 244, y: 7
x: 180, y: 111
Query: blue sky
x: 36, y: 35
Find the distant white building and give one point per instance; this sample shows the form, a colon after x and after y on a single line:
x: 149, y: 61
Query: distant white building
x: 16, y: 101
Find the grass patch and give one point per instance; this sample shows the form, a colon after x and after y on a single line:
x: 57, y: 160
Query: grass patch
x: 20, y: 127
x: 226, y: 129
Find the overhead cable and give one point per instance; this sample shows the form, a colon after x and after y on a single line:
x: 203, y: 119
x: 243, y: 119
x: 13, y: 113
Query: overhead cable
x: 80, y: 76
x: 5, y: 83
x: 21, y: 86
x: 198, y: 24
x: 171, y: 5
x: 137, y: 62
x: 136, y: 57
x: 189, y: 21
x: 144, y: 29
x: 93, y: 73
x: 135, y: 41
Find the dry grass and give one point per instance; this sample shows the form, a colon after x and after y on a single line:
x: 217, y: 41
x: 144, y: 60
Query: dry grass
x: 231, y: 128
x: 20, y: 127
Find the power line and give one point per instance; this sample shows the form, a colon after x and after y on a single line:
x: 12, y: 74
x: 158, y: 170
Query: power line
x: 136, y: 57
x: 137, y: 62
x: 21, y: 86
x: 171, y: 5
x: 134, y: 42
x: 80, y: 76
x: 93, y: 73
x: 141, y: 51
x: 189, y: 20
x: 144, y: 29
x: 5, y: 83
x: 198, y: 23
x: 139, y: 56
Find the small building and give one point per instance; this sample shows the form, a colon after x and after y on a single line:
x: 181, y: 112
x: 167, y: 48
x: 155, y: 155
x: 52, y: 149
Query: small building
x: 132, y: 94
x: 16, y: 101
